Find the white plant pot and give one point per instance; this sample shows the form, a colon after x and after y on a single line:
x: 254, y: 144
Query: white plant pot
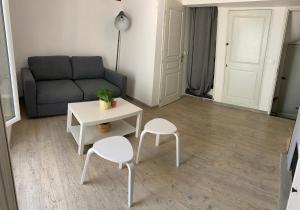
x: 104, y: 105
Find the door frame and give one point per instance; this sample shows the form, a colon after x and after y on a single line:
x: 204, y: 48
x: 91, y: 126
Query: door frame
x: 282, y: 52
x: 8, y: 198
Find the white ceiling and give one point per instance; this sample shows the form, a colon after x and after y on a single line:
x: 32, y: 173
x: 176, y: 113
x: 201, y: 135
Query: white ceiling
x: 240, y: 3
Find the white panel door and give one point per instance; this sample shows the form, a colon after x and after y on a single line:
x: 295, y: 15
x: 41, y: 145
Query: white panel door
x: 246, y: 49
x: 171, y: 75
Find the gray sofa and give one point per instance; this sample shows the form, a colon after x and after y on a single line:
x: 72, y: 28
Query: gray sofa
x: 51, y: 82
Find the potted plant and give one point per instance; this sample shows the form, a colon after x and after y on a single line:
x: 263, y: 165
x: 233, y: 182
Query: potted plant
x: 105, y: 98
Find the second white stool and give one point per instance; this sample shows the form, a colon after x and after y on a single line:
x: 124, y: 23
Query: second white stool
x: 159, y: 127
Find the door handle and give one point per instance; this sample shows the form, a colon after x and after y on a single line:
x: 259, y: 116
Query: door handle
x: 182, y: 58
x: 294, y: 190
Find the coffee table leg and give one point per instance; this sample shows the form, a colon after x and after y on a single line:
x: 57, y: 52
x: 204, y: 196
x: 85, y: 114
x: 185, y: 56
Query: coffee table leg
x: 69, y: 120
x: 81, y: 140
x: 138, y: 125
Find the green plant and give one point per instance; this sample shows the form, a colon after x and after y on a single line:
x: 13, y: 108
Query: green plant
x: 104, y: 95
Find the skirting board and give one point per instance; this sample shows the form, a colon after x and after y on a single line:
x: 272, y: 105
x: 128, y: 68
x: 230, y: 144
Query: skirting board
x: 241, y: 108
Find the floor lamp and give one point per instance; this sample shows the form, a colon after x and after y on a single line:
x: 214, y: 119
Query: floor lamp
x: 122, y: 23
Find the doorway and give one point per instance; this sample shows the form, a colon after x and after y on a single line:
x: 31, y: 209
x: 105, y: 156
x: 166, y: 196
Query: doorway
x: 286, y: 99
x: 201, y: 48
x: 188, y: 58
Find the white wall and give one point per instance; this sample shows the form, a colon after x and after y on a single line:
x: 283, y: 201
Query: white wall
x: 273, y: 56
x: 158, y: 53
x: 138, y: 50
x: 79, y: 27
x: 276, y: 34
x: 64, y: 27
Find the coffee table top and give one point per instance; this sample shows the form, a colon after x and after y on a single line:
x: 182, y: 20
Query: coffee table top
x: 89, y: 113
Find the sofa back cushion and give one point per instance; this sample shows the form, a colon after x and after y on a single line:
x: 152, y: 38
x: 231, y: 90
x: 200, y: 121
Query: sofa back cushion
x: 50, y: 67
x: 87, y: 67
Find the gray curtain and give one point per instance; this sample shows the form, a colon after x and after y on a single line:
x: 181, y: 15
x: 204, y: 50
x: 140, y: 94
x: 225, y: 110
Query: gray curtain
x: 202, y: 49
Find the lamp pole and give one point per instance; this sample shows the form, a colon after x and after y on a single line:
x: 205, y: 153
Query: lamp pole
x: 118, y: 50
x: 122, y: 23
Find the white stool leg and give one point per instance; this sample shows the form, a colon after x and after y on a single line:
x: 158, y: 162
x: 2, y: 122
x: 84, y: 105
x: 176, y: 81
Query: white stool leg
x: 157, y: 140
x: 177, y: 149
x: 130, y: 167
x: 91, y: 151
x: 140, y: 145
x: 120, y: 165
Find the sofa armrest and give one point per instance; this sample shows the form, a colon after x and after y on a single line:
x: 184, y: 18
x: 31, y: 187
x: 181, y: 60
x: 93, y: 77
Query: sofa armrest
x: 29, y: 92
x: 117, y: 79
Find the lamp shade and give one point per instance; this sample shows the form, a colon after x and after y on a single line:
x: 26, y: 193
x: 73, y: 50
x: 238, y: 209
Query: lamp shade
x: 122, y: 22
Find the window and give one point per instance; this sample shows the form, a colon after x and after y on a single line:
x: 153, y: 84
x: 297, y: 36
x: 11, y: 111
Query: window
x: 8, y: 84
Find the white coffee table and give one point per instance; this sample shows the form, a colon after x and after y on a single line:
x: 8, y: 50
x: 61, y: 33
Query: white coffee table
x: 89, y: 115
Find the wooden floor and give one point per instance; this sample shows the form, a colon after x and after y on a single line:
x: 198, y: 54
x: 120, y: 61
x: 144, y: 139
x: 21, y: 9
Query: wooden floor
x: 230, y: 160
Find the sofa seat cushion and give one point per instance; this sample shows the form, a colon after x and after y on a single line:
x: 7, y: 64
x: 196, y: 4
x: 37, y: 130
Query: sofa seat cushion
x: 90, y: 87
x: 58, y: 91
x: 50, y: 67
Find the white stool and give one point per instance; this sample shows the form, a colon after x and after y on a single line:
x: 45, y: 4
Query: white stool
x: 116, y: 149
x: 159, y: 127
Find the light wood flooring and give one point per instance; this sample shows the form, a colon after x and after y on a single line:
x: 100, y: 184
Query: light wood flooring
x: 230, y: 161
